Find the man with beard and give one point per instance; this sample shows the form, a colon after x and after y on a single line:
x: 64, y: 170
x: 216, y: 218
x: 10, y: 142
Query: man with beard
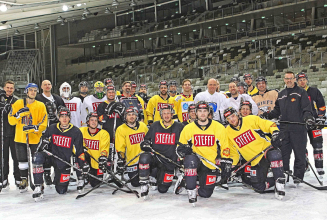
x: 183, y: 100
x: 159, y: 101
x: 109, y: 82
x: 172, y: 87
x: 83, y: 88
x: 251, y: 90
x: 127, y: 142
x: 133, y: 90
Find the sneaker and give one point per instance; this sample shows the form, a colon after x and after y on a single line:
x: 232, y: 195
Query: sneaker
x: 17, y: 183
x: 38, y: 192
x: 23, y: 186
x: 47, y: 178
x: 321, y: 171
x: 192, y: 196
x: 4, y: 185
x: 144, y: 189
x: 179, y: 185
x: 153, y: 183
x: 280, y: 188
x: 80, y: 185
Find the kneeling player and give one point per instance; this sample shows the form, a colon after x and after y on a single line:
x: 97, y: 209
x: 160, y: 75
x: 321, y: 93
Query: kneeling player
x: 248, y: 135
x: 204, y: 137
x: 161, y: 138
x: 127, y: 142
x: 60, y: 139
x: 96, y: 142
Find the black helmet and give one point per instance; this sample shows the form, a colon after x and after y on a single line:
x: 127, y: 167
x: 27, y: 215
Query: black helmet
x: 190, y: 107
x: 261, y: 79
x: 108, y: 81
x: 246, y: 75
x: 235, y: 78
x: 131, y: 109
x: 169, y: 107
x: 202, y: 105
x: 163, y: 83
x: 243, y: 84
x: 246, y: 103
x: 301, y: 75
x: 63, y: 111
x: 229, y: 111
x: 91, y: 114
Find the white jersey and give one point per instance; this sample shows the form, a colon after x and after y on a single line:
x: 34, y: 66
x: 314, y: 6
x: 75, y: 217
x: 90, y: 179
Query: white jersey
x: 74, y: 105
x: 236, y: 103
x: 90, y: 104
x: 215, y: 100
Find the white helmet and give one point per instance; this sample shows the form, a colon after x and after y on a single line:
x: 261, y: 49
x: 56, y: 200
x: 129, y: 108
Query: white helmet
x: 65, y: 94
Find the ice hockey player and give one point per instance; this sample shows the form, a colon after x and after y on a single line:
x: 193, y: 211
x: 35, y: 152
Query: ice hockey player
x: 143, y: 94
x: 31, y: 119
x: 234, y: 79
x: 161, y: 138
x: 96, y: 142
x: 319, y: 110
x: 92, y: 102
x: 172, y: 87
x: 264, y: 98
x: 61, y: 140
x: 109, y: 82
x: 72, y: 103
x: 7, y: 136
x: 208, y: 139
x: 157, y: 102
x: 242, y: 88
x: 236, y: 99
x: 213, y: 98
x: 183, y: 100
x: 133, y: 90
x: 83, y: 88
x: 247, y: 135
x: 245, y: 109
x: 127, y: 143
x: 251, y: 90
x: 111, y: 115
x: 191, y: 114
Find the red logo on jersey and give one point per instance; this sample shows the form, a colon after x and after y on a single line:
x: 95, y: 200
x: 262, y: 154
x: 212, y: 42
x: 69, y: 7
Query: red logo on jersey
x: 226, y: 152
x: 316, y: 133
x: 191, y: 172
x: 244, y: 139
x: 276, y: 164
x: 161, y: 105
x: 165, y: 138
x: 38, y: 170
x: 136, y: 138
x: 95, y: 106
x: 319, y: 156
x: 64, y: 178
x: 185, y: 116
x: 71, y: 106
x: 247, y: 169
x: 309, y: 98
x: 203, y: 140
x: 168, y: 178
x: 62, y: 141
x: 144, y: 166
x: 211, y: 179
x: 92, y: 144
x: 99, y: 172
x: 113, y: 115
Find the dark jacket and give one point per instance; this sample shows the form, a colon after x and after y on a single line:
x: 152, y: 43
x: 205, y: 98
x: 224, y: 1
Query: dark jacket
x: 8, y: 130
x: 317, y: 101
x: 57, y: 100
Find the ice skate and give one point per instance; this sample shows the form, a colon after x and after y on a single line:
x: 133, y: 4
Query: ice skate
x: 153, y: 183
x: 144, y: 190
x: 80, y: 186
x: 4, y: 186
x: 23, y: 186
x: 179, y: 185
x: 72, y: 180
x: 321, y: 173
x: 38, y: 193
x: 192, y: 196
x: 280, y: 188
x: 17, y: 183
x: 47, y: 179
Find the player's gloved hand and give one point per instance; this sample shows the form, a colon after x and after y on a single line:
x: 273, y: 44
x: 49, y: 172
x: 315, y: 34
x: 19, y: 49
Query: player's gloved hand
x: 276, y: 140
x: 183, y: 149
x: 103, y: 162
x: 116, y: 107
x: 265, y: 115
x: 30, y: 128
x: 44, y: 144
x: 310, y: 121
x: 146, y: 146
x: 85, y: 169
x: 226, y: 169
x: 150, y: 122
x: 22, y: 112
x: 120, y: 164
x: 321, y: 121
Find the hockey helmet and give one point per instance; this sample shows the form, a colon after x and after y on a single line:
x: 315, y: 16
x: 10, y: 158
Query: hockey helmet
x: 91, y: 114
x: 202, y: 105
x: 172, y: 83
x: 243, y: 84
x: 261, y: 79
x: 143, y: 86
x: 246, y: 103
x: 191, y: 107
x: 31, y: 85
x: 229, y: 111
x: 108, y: 81
x: 81, y: 84
x: 131, y: 109
x: 133, y: 84
x: 169, y: 107
x: 235, y: 78
x: 111, y: 88
x: 247, y: 75
x: 98, y: 84
x: 63, y: 111
x: 65, y: 93
x: 162, y: 83
x: 301, y: 75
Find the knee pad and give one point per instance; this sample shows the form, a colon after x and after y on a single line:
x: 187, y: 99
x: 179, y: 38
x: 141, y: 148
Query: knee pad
x: 162, y: 188
x: 145, y: 158
x: 259, y: 172
x: 144, y: 166
x: 61, y: 189
x: 191, y: 161
x: 23, y: 165
x: 275, y: 158
x: 38, y: 158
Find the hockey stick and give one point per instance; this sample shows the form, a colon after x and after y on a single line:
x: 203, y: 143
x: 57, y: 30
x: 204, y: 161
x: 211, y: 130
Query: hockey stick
x: 301, y: 123
x: 302, y: 181
x: 93, y: 188
x: 124, y: 167
x: 166, y: 158
x: 80, y: 170
x: 320, y: 182
x: 128, y: 181
x: 2, y: 157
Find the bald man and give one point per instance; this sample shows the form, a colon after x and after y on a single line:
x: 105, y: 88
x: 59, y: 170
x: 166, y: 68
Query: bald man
x: 214, y: 99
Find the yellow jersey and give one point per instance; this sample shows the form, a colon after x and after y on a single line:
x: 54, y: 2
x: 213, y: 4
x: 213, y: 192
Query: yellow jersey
x: 253, y: 91
x: 154, y: 106
x: 143, y: 106
x: 181, y: 103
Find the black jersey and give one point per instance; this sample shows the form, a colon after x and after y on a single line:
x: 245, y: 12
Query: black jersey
x: 57, y: 100
x: 62, y: 143
x: 81, y: 97
x: 8, y: 130
x: 317, y: 101
x: 164, y: 139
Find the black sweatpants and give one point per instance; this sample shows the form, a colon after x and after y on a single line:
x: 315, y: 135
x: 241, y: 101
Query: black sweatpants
x: 21, y: 153
x: 9, y: 143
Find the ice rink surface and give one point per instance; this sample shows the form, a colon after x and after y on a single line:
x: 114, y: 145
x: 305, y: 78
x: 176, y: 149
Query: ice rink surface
x: 299, y: 203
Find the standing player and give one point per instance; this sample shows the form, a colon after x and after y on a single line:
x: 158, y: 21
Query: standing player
x: 133, y: 90
x: 109, y: 82
x: 72, y: 103
x: 245, y: 109
x: 7, y: 136
x: 234, y: 79
x: 264, y: 98
x: 172, y: 87
x: 242, y: 88
x: 31, y: 119
x: 61, y: 140
x: 247, y: 136
x: 183, y: 100
x: 157, y: 102
x: 96, y: 141
x: 143, y: 94
x: 191, y: 114
x: 207, y: 138
x: 319, y: 110
x: 127, y: 143
x: 83, y: 88
x: 92, y: 102
x: 248, y: 80
x: 162, y: 138
x: 213, y: 98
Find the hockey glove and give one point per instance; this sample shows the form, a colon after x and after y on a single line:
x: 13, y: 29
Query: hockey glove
x: 103, y: 163
x: 321, y: 121
x: 85, y: 170
x: 120, y: 163
x: 265, y: 115
x: 150, y: 122
x: 30, y: 129
x: 226, y: 169
x: 310, y: 121
x: 276, y: 140
x: 22, y: 112
x: 116, y: 107
x: 183, y: 150
x: 146, y: 146
x: 44, y: 144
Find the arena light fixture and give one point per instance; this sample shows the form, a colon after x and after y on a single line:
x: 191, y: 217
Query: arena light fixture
x: 62, y: 23
x: 136, y: 40
x: 59, y: 19
x: 302, y: 9
x: 209, y: 27
x: 243, y: 21
x: 93, y: 46
x: 36, y: 26
x: 3, y: 7
x: 179, y: 33
x: 114, y: 3
x: 65, y: 8
x: 150, y: 38
x: 132, y: 4
x: 109, y: 44
x: 79, y: 5
x: 16, y: 32
x: 263, y: 17
x: 83, y: 17
x: 226, y: 24
x: 86, y: 12
x: 107, y: 11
